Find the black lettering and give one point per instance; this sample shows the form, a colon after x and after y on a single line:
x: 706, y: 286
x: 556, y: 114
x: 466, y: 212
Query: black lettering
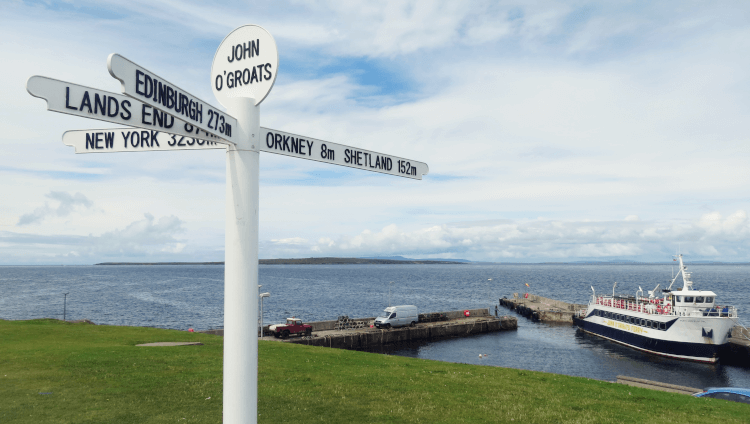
x: 269, y: 140
x: 135, y: 139
x: 230, y: 80
x: 359, y: 158
x: 237, y: 78
x: 389, y: 164
x: 125, y: 136
x: 154, y: 141
x: 246, y: 76
x: 109, y: 140
x: 238, y: 48
x: 162, y: 94
x: 148, y: 86
x: 98, y: 140
x: 191, y: 141
x: 138, y: 82
x: 144, y: 114
x: 157, y: 83
x: 254, y: 77
x: 184, y: 105
x: 256, y: 47
x: 158, y: 118
x: 174, y: 140
x: 85, y: 101
x: 181, y: 142
x: 230, y: 58
x: 199, y: 112
x: 100, y: 103
x: 90, y: 139
x: 219, y: 82
x: 170, y: 98
x: 277, y: 138
x: 112, y: 111
x: 309, y: 147
x: 125, y: 110
x: 67, y: 99
x: 247, y: 52
x: 347, y: 158
x: 170, y: 118
x: 191, y: 109
x: 286, y: 148
x: 269, y: 75
x: 145, y: 139
x: 294, y: 143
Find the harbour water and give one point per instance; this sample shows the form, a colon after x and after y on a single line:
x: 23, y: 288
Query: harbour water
x: 189, y: 296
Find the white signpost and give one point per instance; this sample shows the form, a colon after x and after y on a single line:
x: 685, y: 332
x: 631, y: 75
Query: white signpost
x: 243, y: 72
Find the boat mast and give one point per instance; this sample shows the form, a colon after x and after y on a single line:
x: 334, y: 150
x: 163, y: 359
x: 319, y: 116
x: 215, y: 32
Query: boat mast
x: 687, y: 283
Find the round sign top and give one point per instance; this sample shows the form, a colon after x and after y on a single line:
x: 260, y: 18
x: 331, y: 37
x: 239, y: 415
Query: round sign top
x: 245, y: 65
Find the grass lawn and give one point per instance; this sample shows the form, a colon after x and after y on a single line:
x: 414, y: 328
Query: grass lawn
x: 54, y: 372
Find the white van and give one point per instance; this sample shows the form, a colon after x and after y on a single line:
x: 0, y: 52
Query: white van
x: 397, y: 316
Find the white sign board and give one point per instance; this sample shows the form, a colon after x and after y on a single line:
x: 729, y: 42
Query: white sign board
x: 245, y: 65
x: 142, y: 84
x: 132, y: 140
x: 283, y: 143
x: 74, y: 99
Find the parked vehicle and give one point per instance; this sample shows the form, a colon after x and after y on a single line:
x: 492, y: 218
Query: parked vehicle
x: 397, y: 316
x: 292, y: 326
x: 727, y: 393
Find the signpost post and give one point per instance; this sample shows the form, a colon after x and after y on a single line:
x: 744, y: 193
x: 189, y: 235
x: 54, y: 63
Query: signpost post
x: 242, y: 74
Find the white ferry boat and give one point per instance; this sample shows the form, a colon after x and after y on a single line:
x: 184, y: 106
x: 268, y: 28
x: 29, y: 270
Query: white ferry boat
x: 683, y: 324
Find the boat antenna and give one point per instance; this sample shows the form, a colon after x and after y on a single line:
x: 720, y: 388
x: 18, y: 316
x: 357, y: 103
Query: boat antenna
x: 593, y: 296
x: 613, y: 289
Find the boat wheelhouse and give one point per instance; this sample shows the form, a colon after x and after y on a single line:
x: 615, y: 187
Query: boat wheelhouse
x: 684, y: 324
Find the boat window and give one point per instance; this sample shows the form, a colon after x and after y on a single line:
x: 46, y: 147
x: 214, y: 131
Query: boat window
x: 699, y: 299
x: 643, y: 322
x: 679, y: 298
x: 648, y: 323
x: 689, y: 299
x: 662, y: 326
x: 709, y: 299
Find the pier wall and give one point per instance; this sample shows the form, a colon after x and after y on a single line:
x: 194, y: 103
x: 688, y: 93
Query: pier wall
x: 539, y: 308
x: 370, y: 338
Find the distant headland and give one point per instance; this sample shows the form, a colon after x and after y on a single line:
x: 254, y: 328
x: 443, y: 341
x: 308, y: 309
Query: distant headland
x: 318, y: 261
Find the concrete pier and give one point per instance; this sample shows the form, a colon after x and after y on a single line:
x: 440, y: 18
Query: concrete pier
x: 447, y: 324
x: 538, y: 308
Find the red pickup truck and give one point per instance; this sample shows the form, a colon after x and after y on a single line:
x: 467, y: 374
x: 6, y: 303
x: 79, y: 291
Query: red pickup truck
x: 292, y: 326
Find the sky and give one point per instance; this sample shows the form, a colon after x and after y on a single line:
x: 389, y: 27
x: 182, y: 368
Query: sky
x: 554, y: 131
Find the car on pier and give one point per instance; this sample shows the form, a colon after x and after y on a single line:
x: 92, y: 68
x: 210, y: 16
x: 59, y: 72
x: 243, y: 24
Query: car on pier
x: 293, y: 326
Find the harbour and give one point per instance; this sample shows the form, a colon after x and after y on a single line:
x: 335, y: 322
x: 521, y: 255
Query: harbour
x: 182, y: 297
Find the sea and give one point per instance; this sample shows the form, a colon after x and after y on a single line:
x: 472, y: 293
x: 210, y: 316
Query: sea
x: 192, y: 296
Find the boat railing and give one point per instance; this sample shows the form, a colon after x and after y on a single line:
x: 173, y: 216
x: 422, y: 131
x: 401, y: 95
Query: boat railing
x: 659, y: 307
x: 645, y: 306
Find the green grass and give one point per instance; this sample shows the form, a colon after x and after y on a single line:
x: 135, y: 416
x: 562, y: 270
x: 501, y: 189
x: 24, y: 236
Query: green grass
x: 97, y: 374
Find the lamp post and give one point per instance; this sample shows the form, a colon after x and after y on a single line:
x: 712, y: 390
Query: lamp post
x: 65, y: 305
x: 262, y: 295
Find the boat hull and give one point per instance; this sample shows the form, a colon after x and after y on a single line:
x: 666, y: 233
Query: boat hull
x: 698, y: 352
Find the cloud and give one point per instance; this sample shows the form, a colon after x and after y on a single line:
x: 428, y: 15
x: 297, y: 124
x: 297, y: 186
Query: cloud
x: 148, y: 239
x: 66, y: 204
x: 709, y: 236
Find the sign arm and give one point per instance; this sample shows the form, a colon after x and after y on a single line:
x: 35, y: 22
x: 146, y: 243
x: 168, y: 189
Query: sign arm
x: 86, y: 102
